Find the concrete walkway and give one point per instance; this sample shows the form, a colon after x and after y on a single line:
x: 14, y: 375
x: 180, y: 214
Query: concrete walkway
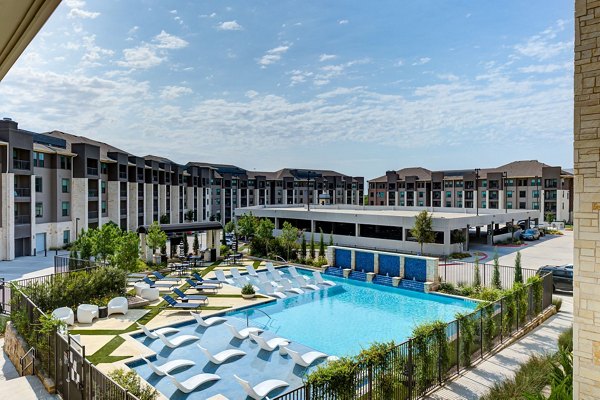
x: 477, y: 381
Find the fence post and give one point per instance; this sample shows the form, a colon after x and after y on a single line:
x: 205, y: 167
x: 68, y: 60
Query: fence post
x: 518, y: 308
x: 457, y: 346
x: 370, y: 381
x: 481, y: 338
x: 501, y: 319
x: 410, y: 369
x: 484, y: 275
x: 307, y: 391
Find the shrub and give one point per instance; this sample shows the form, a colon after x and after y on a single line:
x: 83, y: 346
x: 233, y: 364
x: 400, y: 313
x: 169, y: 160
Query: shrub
x: 447, y: 287
x: 557, y: 302
x: 337, y: 376
x: 130, y: 381
x: 248, y: 289
x: 490, y: 294
x: 459, y: 256
x: 565, y: 340
x: 319, y: 262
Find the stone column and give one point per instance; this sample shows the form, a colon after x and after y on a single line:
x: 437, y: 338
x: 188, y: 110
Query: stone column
x: 586, y: 202
x: 376, y: 263
x: 402, y: 259
x: 353, y: 260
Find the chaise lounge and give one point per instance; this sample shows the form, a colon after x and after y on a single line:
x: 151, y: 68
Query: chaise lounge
x: 222, y: 356
x: 168, y: 366
x: 192, y: 383
x: 172, y: 303
x: 260, y: 391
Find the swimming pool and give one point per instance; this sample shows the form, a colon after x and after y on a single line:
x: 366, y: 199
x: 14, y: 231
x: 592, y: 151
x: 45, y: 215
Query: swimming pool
x: 337, y: 320
x: 342, y: 319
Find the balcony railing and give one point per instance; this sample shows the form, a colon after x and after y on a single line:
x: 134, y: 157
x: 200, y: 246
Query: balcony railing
x: 22, y: 192
x: 92, y: 171
x: 92, y: 192
x: 22, y: 164
x: 93, y: 214
x: 140, y: 210
x: 123, y: 211
x: 123, y: 175
x: 140, y: 177
x: 22, y: 219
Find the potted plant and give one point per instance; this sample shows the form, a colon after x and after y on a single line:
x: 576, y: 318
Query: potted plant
x: 248, y: 291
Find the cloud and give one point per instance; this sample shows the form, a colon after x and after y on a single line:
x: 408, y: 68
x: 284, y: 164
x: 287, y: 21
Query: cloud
x: 545, y: 68
x: 544, y: 45
x: 230, y: 26
x: 142, y: 57
x: 328, y: 72
x: 212, y: 15
x: 422, y: 61
x: 343, y: 21
x: 448, y: 77
x: 166, y: 41
x: 251, y: 94
x: 173, y: 92
x: 77, y: 11
x: 93, y: 53
x: 272, y: 56
x: 297, y: 76
x: 327, y: 57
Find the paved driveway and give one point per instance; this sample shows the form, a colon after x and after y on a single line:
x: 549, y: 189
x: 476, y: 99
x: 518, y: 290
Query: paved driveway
x: 27, y: 267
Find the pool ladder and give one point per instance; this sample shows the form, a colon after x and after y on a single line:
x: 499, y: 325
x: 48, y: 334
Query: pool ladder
x: 271, y: 320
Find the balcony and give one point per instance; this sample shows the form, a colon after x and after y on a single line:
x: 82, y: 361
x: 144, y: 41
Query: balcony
x: 140, y: 210
x: 123, y: 175
x: 92, y: 171
x: 22, y: 192
x: 92, y: 192
x: 123, y: 211
x: 22, y: 164
x: 93, y: 214
x: 22, y: 219
x: 140, y: 177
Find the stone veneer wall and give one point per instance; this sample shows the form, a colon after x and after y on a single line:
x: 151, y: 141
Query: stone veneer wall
x: 586, y: 302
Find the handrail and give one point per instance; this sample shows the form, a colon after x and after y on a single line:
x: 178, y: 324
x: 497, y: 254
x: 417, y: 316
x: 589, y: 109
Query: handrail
x: 32, y: 363
x: 248, y: 315
x: 281, y: 258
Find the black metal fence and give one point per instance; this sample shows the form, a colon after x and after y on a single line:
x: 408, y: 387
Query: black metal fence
x: 67, y: 264
x: 418, y: 365
x: 463, y: 273
x: 58, y: 355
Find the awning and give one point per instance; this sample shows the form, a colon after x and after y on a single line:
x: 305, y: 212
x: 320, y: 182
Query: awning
x: 187, y: 227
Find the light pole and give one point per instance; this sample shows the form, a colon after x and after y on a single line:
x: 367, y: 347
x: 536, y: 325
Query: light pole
x: 308, y: 198
x: 504, y: 176
x: 76, y: 228
x: 477, y: 189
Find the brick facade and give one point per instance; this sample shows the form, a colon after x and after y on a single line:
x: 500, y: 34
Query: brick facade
x: 587, y: 200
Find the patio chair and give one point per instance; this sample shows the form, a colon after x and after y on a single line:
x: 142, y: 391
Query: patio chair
x: 186, y: 297
x: 174, y: 304
x: 202, y: 281
x: 86, y: 313
x: 272, y: 270
x: 236, y: 274
x: 201, y: 287
x: 221, y: 277
x: 65, y: 314
x: 118, y: 305
x: 320, y: 281
x: 157, y: 284
x: 305, y: 285
x: 294, y: 273
x: 168, y: 366
x: 251, y: 271
x: 271, y: 344
x: 260, y: 391
x: 270, y: 290
x: 189, y: 385
x: 244, y: 333
x: 163, y: 278
x: 153, y: 335
x: 205, y: 323
x: 177, y: 340
x: 287, y: 286
x: 306, y: 359
x: 222, y: 356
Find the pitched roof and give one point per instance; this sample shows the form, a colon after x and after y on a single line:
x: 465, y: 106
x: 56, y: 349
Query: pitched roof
x: 73, y: 139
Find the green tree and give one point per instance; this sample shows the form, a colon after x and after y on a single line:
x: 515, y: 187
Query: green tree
x: 496, y: 276
x: 321, y: 244
x: 155, y: 237
x: 312, y: 245
x: 85, y: 244
x: 230, y: 227
x: 477, y: 282
x: 550, y: 217
x: 105, y: 241
x: 186, y: 244
x: 264, y: 233
x: 518, y: 270
x: 331, y: 239
x: 247, y: 225
x: 127, y: 252
x: 196, y: 245
x: 303, y: 249
x: 288, y: 237
x: 458, y: 236
x: 423, y: 231
x: 164, y: 219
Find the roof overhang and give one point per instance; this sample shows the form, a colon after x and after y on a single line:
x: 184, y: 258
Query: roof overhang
x: 20, y: 21
x: 189, y: 227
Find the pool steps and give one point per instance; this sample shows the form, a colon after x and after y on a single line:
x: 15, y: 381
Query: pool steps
x: 378, y: 279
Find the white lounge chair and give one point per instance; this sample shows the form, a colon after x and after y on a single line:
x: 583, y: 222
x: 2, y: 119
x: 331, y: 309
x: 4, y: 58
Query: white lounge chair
x: 208, y: 321
x: 222, y: 356
x: 244, y: 333
x: 305, y: 285
x: 270, y: 290
x: 272, y: 270
x: 306, y: 359
x: 320, y: 281
x: 235, y: 273
x: 86, y: 313
x: 138, y: 286
x: 220, y: 275
x: 251, y: 270
x: 263, y: 278
x: 177, y: 340
x: 287, y: 286
x: 260, y: 391
x: 153, y: 335
x: 168, y: 366
x: 192, y: 383
x: 65, y: 314
x: 271, y: 344
x: 118, y: 305
x: 294, y: 273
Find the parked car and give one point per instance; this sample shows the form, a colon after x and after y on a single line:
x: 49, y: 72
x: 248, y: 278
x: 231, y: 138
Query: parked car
x: 530, y: 234
x: 562, y: 276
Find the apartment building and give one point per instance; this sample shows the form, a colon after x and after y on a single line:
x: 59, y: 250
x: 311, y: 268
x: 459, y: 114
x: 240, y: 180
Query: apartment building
x: 523, y: 185
x: 55, y: 184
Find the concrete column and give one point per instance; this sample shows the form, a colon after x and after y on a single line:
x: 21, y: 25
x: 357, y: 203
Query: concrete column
x: 447, y: 241
x: 490, y: 234
x: 466, y: 232
x: 376, y: 263
x: 402, y: 259
x: 132, y: 206
x: 352, y: 260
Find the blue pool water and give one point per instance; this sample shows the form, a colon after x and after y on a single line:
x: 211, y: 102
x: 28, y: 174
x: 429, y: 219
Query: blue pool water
x: 335, y: 320
x: 342, y: 319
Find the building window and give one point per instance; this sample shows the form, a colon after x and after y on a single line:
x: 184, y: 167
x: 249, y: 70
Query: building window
x: 401, y: 203
x: 103, y: 187
x: 38, y: 159
x: 522, y: 205
x: 484, y: 183
x: 536, y: 194
x: 448, y: 194
x: 536, y: 183
x: 459, y: 204
x: 483, y: 194
x: 459, y: 194
x: 66, y: 209
x: 535, y: 205
x: 483, y: 204
x: 448, y: 204
x: 509, y: 182
x: 509, y: 205
x: 103, y: 207
x: 39, y: 210
x: 103, y: 168
x: 420, y: 204
x: 66, y: 237
x: 509, y: 193
x: 65, y: 185
x: 522, y: 193
x: 38, y: 184
x: 65, y: 162
x: 420, y: 195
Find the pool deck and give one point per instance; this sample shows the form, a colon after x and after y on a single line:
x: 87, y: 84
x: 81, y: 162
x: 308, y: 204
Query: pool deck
x: 477, y: 381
